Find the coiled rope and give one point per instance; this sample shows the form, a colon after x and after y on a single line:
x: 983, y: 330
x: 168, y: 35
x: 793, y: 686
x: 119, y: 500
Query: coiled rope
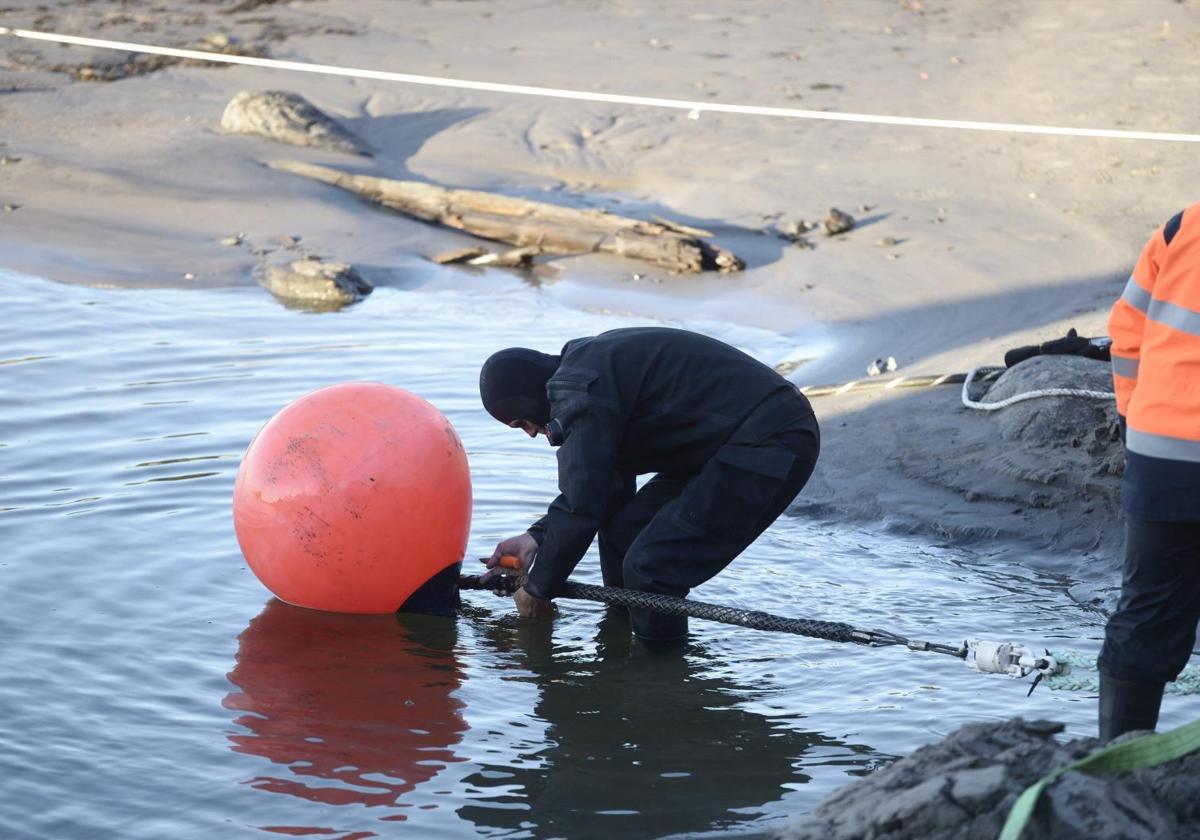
x: 985, y: 372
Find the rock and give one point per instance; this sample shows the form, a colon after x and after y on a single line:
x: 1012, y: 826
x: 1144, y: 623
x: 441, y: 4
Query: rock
x: 1056, y: 420
x: 837, y: 222
x: 316, y: 283
x: 235, y: 239
x: 288, y: 118
x: 965, y: 785
x: 793, y: 231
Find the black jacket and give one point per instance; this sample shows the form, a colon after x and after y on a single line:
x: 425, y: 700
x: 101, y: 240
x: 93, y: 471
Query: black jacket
x: 628, y: 402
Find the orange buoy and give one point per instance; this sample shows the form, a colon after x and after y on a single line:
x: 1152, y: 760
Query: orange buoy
x: 352, y: 497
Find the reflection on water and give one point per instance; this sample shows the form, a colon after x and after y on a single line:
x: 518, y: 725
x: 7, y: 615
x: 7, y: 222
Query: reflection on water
x: 642, y: 742
x: 354, y: 709
x: 360, y: 710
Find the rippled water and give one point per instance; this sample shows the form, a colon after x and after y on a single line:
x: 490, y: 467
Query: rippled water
x: 152, y: 688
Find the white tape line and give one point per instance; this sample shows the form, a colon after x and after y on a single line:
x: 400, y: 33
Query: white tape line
x: 694, y: 108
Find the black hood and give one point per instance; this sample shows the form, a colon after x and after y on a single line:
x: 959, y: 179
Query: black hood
x: 512, y: 385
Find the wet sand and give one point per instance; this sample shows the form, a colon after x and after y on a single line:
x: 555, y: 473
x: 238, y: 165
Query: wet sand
x: 967, y: 244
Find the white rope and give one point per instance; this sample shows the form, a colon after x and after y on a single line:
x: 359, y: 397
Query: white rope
x: 694, y: 108
x: 1028, y: 395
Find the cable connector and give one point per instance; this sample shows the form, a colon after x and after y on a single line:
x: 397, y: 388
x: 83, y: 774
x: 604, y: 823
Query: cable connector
x: 1012, y: 659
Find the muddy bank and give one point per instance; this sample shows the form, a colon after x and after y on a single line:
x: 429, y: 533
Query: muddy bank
x: 965, y: 785
x: 1043, y: 473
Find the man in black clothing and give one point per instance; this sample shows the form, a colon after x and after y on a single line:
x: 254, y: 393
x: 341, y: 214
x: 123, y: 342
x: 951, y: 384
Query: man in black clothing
x: 731, y: 443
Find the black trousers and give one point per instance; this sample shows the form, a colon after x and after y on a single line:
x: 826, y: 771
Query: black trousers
x: 1151, y: 635
x: 678, y: 531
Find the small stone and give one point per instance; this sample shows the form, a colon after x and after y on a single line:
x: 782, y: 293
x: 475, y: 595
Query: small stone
x: 9, y: 208
x: 235, y: 239
x: 886, y: 242
x: 218, y: 39
x: 6, y: 160
x: 187, y: 275
x: 837, y: 222
x: 289, y: 241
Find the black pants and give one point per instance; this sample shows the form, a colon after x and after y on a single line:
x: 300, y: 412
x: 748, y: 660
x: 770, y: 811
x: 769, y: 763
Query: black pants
x: 1150, y: 636
x: 677, y: 532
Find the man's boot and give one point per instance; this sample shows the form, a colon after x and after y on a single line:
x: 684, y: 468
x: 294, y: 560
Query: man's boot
x: 1126, y: 705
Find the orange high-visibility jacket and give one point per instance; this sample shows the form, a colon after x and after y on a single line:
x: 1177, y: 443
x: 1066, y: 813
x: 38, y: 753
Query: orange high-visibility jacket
x: 1155, y: 329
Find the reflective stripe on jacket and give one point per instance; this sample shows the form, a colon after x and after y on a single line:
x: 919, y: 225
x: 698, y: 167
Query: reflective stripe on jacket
x: 1155, y: 329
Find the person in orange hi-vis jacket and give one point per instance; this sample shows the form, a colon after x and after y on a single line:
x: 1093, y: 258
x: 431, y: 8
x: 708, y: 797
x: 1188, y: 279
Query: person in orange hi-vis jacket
x: 1155, y: 329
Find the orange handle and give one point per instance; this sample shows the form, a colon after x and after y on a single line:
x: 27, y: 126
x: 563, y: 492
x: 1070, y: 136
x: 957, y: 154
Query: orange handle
x: 508, y: 561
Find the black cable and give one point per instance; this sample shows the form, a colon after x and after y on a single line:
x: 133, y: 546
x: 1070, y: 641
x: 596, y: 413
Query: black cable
x: 833, y: 631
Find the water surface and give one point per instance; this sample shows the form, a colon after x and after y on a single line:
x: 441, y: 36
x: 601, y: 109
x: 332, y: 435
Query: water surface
x: 152, y: 688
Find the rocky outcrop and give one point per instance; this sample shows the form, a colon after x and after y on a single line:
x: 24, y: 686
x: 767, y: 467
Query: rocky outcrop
x: 287, y: 118
x: 965, y: 785
x: 315, y: 284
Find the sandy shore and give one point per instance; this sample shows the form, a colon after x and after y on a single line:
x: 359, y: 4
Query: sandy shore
x: 968, y: 243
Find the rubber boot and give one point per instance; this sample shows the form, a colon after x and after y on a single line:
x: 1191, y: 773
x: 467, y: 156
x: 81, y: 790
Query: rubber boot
x: 1126, y: 706
x: 654, y: 628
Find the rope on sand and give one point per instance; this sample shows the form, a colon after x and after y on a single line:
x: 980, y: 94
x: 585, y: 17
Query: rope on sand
x: 972, y: 377
x: 887, y: 384
x: 984, y: 372
x: 694, y: 108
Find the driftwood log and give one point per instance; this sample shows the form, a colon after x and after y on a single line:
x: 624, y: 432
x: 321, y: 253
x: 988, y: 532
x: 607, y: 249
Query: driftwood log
x: 548, y: 228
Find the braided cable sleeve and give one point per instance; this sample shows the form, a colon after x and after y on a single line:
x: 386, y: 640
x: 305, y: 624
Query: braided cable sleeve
x: 834, y: 631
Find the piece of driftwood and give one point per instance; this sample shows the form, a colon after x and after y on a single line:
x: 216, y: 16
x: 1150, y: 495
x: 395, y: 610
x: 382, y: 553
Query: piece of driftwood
x: 459, y: 255
x: 513, y: 258
x: 547, y: 228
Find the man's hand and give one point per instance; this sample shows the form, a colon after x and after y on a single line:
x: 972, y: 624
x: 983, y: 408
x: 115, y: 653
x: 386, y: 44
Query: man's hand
x: 531, y: 606
x: 523, y: 547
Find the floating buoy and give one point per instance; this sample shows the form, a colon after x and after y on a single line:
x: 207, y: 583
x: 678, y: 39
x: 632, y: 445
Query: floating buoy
x: 352, y: 497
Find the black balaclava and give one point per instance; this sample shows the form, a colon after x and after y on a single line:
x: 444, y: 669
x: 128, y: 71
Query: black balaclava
x: 512, y: 384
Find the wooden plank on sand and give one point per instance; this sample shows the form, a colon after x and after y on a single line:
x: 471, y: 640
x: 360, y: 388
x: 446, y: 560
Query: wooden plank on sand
x: 548, y: 228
